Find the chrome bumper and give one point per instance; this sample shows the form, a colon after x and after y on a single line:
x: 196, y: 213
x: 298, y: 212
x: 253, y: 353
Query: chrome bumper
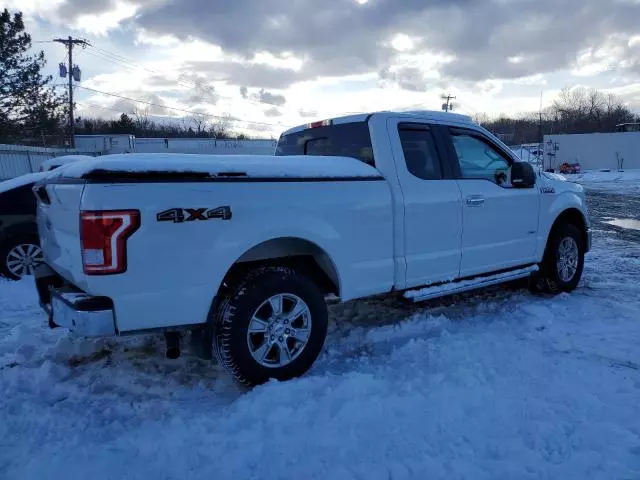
x: 66, y: 306
x: 83, y: 314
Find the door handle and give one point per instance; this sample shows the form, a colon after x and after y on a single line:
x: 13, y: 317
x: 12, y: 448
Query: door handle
x: 475, y: 200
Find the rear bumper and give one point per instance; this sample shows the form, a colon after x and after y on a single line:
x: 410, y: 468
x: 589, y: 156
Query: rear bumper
x: 68, y: 307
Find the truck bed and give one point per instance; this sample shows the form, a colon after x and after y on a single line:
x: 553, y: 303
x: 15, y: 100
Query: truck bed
x: 176, y: 265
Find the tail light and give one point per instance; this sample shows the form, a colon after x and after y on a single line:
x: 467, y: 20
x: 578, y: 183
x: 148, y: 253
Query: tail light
x: 103, y: 236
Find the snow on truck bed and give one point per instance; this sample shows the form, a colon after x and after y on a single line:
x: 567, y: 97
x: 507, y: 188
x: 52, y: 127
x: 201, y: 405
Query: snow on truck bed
x: 256, y: 166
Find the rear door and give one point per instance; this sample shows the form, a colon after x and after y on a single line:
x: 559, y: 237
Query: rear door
x: 500, y: 223
x: 432, y: 202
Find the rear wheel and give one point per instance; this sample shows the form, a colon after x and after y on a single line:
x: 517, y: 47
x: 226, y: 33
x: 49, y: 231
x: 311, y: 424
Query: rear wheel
x: 561, y: 268
x: 272, y: 325
x: 20, y: 256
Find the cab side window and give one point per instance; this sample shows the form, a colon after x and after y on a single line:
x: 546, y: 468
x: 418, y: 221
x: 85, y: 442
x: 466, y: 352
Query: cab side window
x: 420, y: 153
x: 478, y: 159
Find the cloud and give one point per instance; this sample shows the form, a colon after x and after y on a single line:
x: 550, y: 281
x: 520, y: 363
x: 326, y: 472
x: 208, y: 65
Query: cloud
x: 347, y: 37
x: 272, y: 112
x: 263, y: 96
x: 307, y: 113
x: 411, y: 78
x: 72, y: 9
x: 481, y: 41
x: 246, y: 74
x: 129, y: 107
x: 200, y: 90
x: 124, y: 106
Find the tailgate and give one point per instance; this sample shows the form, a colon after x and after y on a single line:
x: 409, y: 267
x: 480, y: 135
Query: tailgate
x: 59, y: 228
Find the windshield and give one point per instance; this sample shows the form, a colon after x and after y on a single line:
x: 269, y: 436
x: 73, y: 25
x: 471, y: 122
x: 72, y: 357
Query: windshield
x: 343, y: 140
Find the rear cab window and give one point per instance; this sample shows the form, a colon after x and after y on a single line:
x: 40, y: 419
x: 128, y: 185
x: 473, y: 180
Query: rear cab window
x: 420, y: 152
x: 342, y: 140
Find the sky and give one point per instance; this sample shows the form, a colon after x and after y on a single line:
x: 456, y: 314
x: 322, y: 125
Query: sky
x: 272, y: 64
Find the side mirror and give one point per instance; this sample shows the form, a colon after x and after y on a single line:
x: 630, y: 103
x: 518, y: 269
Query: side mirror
x: 522, y: 175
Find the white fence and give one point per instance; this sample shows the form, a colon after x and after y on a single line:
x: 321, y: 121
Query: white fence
x: 205, y: 146
x: 16, y: 160
x: 594, y: 151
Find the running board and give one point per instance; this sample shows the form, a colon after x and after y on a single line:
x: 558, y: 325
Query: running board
x: 466, y: 285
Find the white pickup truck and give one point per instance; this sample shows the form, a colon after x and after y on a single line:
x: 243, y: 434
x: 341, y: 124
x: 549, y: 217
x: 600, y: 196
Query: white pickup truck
x: 244, y: 250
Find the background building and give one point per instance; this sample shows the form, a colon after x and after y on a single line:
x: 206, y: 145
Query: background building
x: 593, y: 151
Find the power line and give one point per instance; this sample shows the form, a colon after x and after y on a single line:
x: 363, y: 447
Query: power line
x: 92, y: 105
x: 115, y: 59
x: 121, y: 60
x: 180, y: 109
x: 118, y: 59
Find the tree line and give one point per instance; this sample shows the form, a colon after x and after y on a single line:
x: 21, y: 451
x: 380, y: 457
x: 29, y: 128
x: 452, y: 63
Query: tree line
x: 139, y: 124
x: 33, y: 112
x: 575, y: 110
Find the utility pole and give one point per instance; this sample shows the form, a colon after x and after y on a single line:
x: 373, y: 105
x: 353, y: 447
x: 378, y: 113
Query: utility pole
x: 447, y: 105
x: 540, y: 136
x: 69, y: 43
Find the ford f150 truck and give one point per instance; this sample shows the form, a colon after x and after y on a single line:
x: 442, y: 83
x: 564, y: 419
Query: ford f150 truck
x: 244, y: 250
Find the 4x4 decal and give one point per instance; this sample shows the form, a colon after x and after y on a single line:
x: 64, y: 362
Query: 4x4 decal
x: 179, y: 215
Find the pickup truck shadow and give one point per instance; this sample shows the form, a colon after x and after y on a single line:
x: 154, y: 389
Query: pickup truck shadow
x: 376, y: 326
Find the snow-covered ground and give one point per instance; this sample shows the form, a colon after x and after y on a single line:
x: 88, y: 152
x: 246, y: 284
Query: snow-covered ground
x: 497, y: 385
x: 625, y: 182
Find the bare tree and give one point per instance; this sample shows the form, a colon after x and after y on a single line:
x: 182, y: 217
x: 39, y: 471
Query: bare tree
x: 222, y: 127
x: 200, y: 123
x: 580, y: 110
x: 142, y: 121
x: 481, y: 118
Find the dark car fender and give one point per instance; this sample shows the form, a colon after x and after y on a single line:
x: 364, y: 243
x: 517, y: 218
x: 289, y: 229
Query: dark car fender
x: 14, y: 226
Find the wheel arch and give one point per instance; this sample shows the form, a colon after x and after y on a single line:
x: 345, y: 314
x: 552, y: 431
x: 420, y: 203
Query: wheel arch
x: 298, y: 253
x: 571, y: 216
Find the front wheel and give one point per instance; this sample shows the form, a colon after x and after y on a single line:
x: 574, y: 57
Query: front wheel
x: 563, y: 262
x: 272, y: 325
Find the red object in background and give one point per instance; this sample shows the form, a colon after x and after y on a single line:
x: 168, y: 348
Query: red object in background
x: 570, y: 168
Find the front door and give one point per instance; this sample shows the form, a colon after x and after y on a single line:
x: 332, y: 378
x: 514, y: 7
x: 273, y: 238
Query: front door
x: 499, y: 222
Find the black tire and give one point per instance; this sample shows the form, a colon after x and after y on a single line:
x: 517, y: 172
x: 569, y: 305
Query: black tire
x: 235, y: 311
x: 7, y: 246
x: 548, y: 279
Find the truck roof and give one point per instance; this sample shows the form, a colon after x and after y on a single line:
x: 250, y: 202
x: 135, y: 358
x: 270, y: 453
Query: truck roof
x: 432, y: 115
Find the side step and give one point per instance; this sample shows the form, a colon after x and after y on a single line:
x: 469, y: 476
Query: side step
x: 466, y: 285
